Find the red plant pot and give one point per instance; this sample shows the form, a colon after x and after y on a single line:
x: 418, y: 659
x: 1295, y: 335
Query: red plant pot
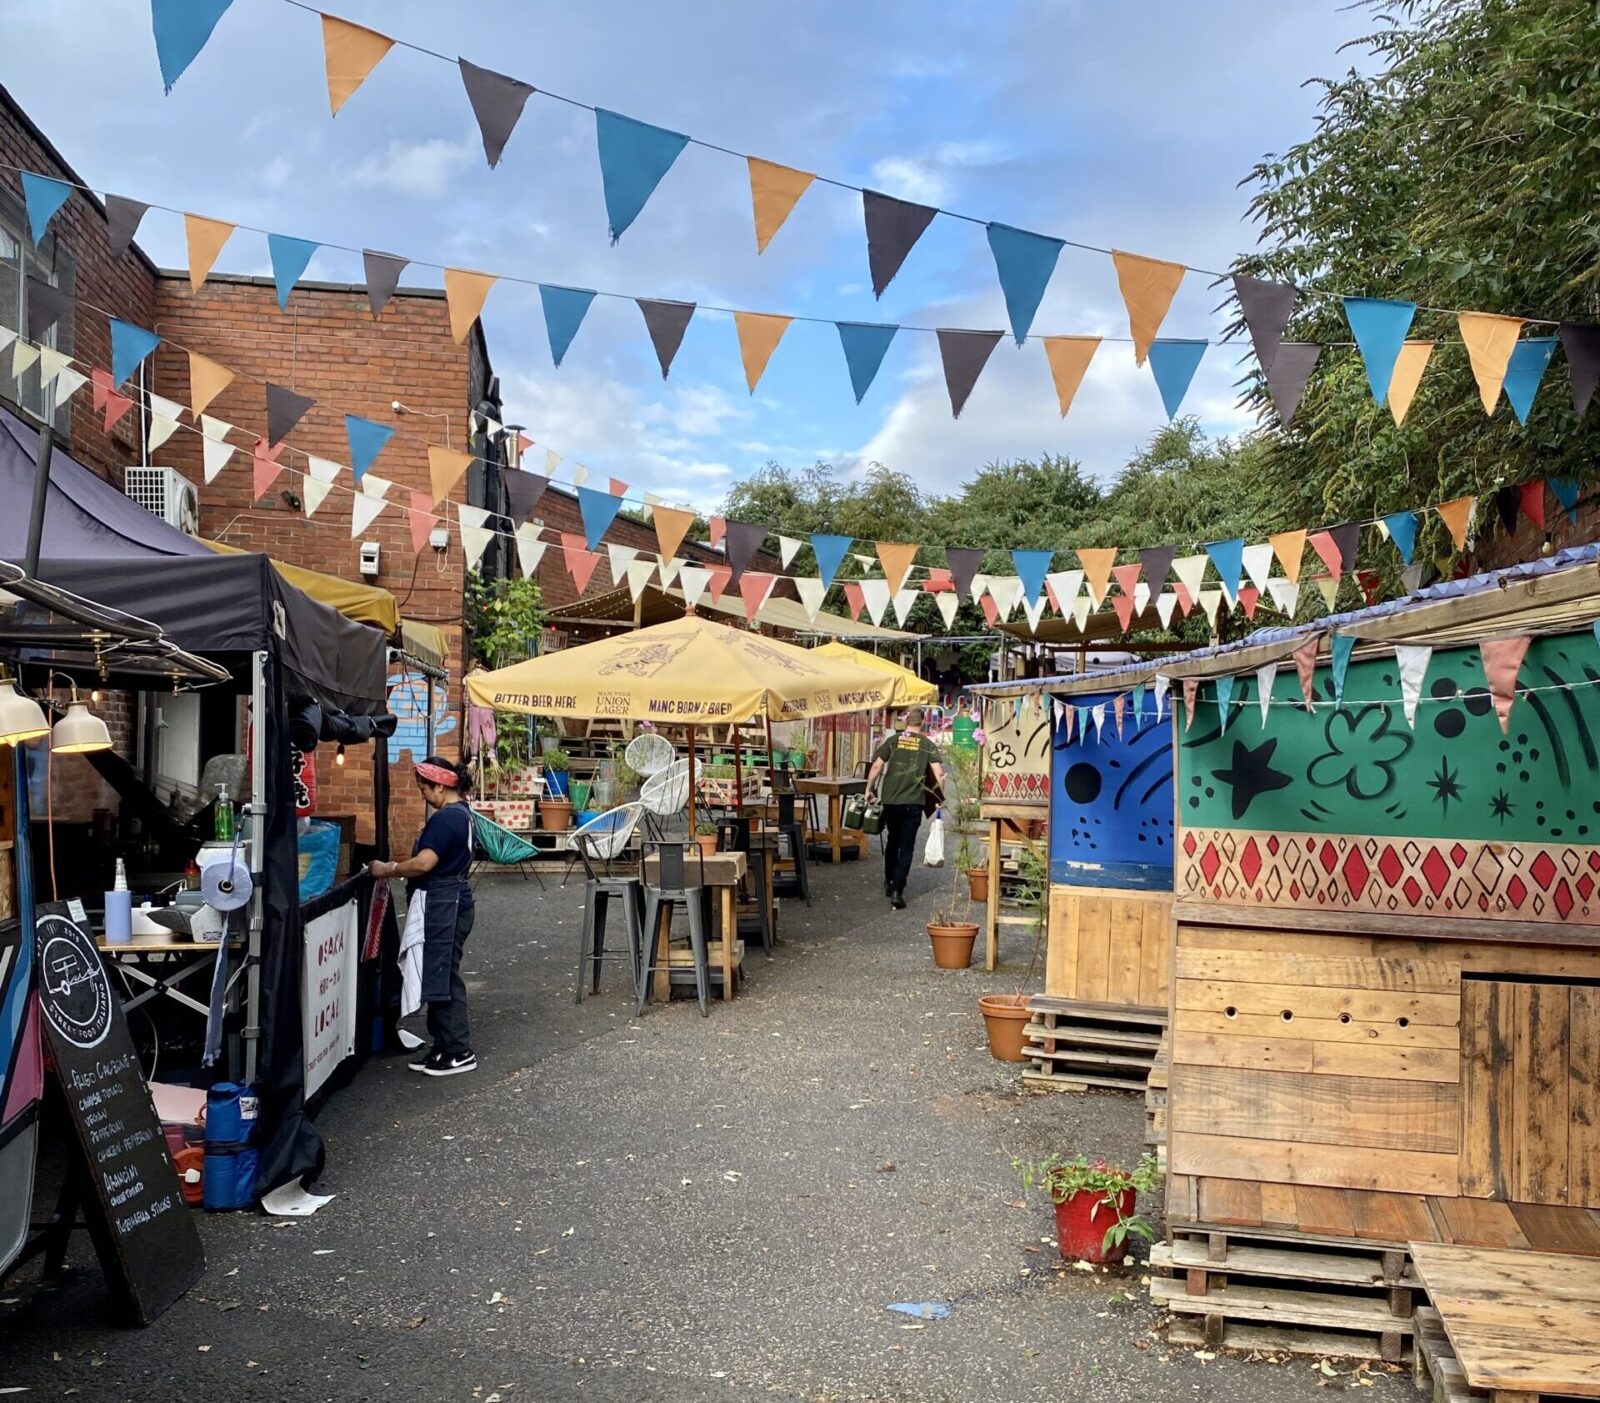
x: 1082, y: 1220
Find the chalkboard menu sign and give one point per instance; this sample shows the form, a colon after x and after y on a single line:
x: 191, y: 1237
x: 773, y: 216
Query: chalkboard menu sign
x: 148, y: 1245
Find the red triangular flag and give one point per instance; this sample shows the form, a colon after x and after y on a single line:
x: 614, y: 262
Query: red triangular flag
x: 853, y: 598
x: 1249, y: 596
x: 1305, y: 663
x: 1191, y: 686
x: 617, y: 487
x: 1502, y: 661
x: 1123, y: 604
x: 102, y: 387
x: 1119, y: 705
x: 580, y: 561
x: 1322, y: 542
x: 1530, y: 497
x: 939, y: 581
x: 1371, y: 583
x: 753, y: 588
x: 1185, y: 600
x: 719, y: 528
x: 1127, y: 576
x: 265, y: 468
x: 720, y: 577
x: 420, y: 516
x: 991, y: 610
x: 116, y: 406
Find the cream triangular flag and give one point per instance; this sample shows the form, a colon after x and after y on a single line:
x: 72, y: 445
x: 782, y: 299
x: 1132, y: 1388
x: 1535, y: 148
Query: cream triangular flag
x: 163, y: 421
x: 1285, y: 594
x: 1006, y: 591
x: 215, y: 450
x: 317, y: 483
x: 875, y: 595
x: 1190, y: 570
x: 1258, y: 564
x: 1098, y: 715
x: 1211, y: 603
x: 1166, y: 602
x: 1081, y: 609
x: 1328, y: 588
x: 1265, y: 677
x: 51, y: 364
x: 1065, y: 585
x: 639, y: 573
x: 1161, y: 685
x: 1033, y: 610
x: 552, y: 461
x: 67, y: 383
x: 1413, y: 672
x: 694, y: 579
x: 620, y: 557
x: 23, y: 356
x: 475, y: 535
x: 948, y: 602
x: 364, y: 510
x: 788, y: 548
x: 530, y: 549
x: 375, y: 486
x: 670, y: 565
x: 580, y: 475
x: 812, y: 592
x: 1141, y: 598
x: 904, y: 601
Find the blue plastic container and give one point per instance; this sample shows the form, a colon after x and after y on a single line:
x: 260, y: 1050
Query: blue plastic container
x: 319, y: 858
x: 230, y: 1178
x: 555, y: 783
x: 119, y: 917
x: 231, y: 1111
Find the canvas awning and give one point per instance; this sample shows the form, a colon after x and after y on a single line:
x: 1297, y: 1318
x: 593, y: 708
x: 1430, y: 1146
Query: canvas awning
x: 910, y: 690
x: 657, y: 605
x: 366, y: 604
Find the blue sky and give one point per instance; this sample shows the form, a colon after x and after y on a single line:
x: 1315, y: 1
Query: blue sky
x: 1124, y: 125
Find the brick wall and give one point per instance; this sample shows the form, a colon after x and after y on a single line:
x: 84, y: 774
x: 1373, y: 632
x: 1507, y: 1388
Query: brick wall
x: 1497, y: 548
x: 329, y: 347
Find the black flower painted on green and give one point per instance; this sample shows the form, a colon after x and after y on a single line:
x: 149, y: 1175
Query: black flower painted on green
x: 1364, y: 745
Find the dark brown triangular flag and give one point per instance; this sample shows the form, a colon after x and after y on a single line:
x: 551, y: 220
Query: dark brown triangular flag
x: 523, y: 491
x: 964, y: 354
x: 1157, y: 560
x: 1508, y: 503
x: 46, y: 306
x: 497, y: 103
x: 1581, y: 341
x: 122, y: 221
x: 893, y: 227
x: 1266, y: 308
x: 964, y: 562
x: 1347, y: 541
x: 743, y: 540
x: 666, y: 322
x: 285, y: 409
x: 383, y: 276
x: 1288, y: 375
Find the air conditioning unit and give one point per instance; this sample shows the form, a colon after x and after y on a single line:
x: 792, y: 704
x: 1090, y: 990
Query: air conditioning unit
x: 166, y: 493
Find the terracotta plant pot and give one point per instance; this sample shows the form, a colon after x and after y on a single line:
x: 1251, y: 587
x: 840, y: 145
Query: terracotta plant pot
x: 707, y: 842
x: 978, y: 883
x: 555, y: 815
x: 1005, y: 1016
x: 952, y: 945
x: 1082, y: 1220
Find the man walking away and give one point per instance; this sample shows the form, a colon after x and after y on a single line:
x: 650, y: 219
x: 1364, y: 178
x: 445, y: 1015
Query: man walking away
x: 899, y: 778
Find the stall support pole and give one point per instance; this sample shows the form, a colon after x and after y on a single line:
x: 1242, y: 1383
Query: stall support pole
x: 692, y: 829
x: 258, y: 862
x: 41, y: 494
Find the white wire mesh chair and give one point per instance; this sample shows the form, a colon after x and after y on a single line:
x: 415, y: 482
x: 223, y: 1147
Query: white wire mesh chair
x: 664, y: 795
x: 605, y: 838
x: 648, y: 753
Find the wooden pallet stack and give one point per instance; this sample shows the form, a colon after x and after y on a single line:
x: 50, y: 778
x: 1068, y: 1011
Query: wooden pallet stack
x: 1155, y: 1101
x: 1074, y: 1045
x: 1244, y: 1291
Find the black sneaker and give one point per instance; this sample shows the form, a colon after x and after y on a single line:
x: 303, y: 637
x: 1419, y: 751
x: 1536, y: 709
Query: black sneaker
x: 441, y: 1066
x: 898, y: 901
x: 421, y: 1063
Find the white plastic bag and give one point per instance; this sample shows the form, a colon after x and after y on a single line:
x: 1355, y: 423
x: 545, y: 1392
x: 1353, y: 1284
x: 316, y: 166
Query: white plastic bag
x: 933, y: 854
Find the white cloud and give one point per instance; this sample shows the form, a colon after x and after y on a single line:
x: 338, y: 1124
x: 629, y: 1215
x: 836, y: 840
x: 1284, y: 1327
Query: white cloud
x: 909, y: 178
x: 416, y: 168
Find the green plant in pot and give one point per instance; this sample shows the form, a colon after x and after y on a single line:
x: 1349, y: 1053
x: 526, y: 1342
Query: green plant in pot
x: 705, y: 834
x: 951, y: 929
x: 1096, y: 1202
x: 556, y: 764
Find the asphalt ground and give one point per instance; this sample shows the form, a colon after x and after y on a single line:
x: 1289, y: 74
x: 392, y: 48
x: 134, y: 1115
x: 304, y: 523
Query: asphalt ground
x: 672, y: 1208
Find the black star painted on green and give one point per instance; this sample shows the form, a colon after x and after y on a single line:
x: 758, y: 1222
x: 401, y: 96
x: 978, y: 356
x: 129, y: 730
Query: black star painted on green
x: 1251, y: 774
x: 1502, y: 807
x: 1446, y: 785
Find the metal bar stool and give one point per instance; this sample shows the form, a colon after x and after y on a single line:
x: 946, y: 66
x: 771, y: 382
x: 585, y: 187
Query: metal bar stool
x: 792, y: 851
x: 733, y: 836
x: 602, y: 846
x: 671, y: 888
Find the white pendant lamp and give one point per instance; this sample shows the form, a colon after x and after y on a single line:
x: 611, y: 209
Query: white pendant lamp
x: 21, y: 718
x: 79, y: 731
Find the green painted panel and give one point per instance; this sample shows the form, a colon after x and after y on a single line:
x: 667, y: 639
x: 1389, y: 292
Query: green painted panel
x: 1360, y: 768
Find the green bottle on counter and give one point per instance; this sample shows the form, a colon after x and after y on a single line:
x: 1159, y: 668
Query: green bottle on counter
x: 223, y: 831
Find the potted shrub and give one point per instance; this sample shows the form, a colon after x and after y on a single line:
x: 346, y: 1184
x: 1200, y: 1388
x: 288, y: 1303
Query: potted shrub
x: 1006, y: 1016
x: 705, y: 834
x: 950, y: 929
x: 1096, y: 1203
x: 556, y: 763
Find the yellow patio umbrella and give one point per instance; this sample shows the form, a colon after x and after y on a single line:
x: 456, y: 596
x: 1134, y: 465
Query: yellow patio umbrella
x: 910, y: 690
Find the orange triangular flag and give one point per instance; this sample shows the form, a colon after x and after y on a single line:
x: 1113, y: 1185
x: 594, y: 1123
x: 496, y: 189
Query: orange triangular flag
x: 1408, y: 368
x: 465, y: 292
x: 206, y: 238
x: 446, y: 466
x: 896, y: 558
x: 1069, y: 357
x: 1148, y: 285
x: 350, y: 53
x: 1191, y: 689
x: 1490, y: 339
x: 1458, y: 517
x: 421, y: 520
x: 207, y: 380
x: 1502, y: 661
x: 759, y: 334
x: 1097, y: 570
x: 774, y: 191
x: 672, y: 525
x: 1305, y: 664
x: 1289, y: 546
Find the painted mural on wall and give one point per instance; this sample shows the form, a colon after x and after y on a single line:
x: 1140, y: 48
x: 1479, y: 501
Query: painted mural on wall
x: 408, y: 700
x: 1350, y: 808
x: 1111, y: 803
x: 1016, y: 753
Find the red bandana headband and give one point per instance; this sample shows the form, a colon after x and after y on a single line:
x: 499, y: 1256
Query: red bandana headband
x: 437, y: 774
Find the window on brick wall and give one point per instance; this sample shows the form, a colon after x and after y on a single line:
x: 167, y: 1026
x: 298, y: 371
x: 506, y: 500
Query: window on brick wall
x: 51, y: 263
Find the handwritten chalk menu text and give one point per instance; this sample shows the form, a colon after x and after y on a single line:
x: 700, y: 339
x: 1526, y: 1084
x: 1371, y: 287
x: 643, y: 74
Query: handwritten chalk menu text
x: 148, y: 1245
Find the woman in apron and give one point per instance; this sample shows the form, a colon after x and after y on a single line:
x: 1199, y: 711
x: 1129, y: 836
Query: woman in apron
x: 439, y: 915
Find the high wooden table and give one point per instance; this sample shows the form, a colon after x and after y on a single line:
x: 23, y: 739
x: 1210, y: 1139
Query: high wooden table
x: 1521, y: 1323
x: 836, y: 788
x: 997, y: 816
x: 722, y: 873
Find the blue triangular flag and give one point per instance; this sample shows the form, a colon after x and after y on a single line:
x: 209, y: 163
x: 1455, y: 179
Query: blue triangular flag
x: 633, y: 158
x: 1024, y: 263
x: 1379, y: 327
x: 830, y: 553
x: 1032, y: 567
x: 1340, y: 647
x: 1224, y: 697
x: 182, y: 28
x: 1402, y: 527
x: 1083, y: 723
x: 564, y: 310
x: 1174, y: 363
x: 599, y: 511
x: 367, y: 439
x: 289, y: 259
x: 864, y: 346
x: 130, y: 344
x: 1565, y: 491
x: 44, y: 197
x: 1138, y: 706
x: 1228, y: 557
x: 1597, y: 633
x: 1525, y: 370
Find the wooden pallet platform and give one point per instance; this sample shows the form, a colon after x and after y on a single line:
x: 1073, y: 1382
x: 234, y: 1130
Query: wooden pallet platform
x: 1435, y: 1368
x: 1278, y: 1339
x: 1366, y: 1322
x: 1074, y: 1045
